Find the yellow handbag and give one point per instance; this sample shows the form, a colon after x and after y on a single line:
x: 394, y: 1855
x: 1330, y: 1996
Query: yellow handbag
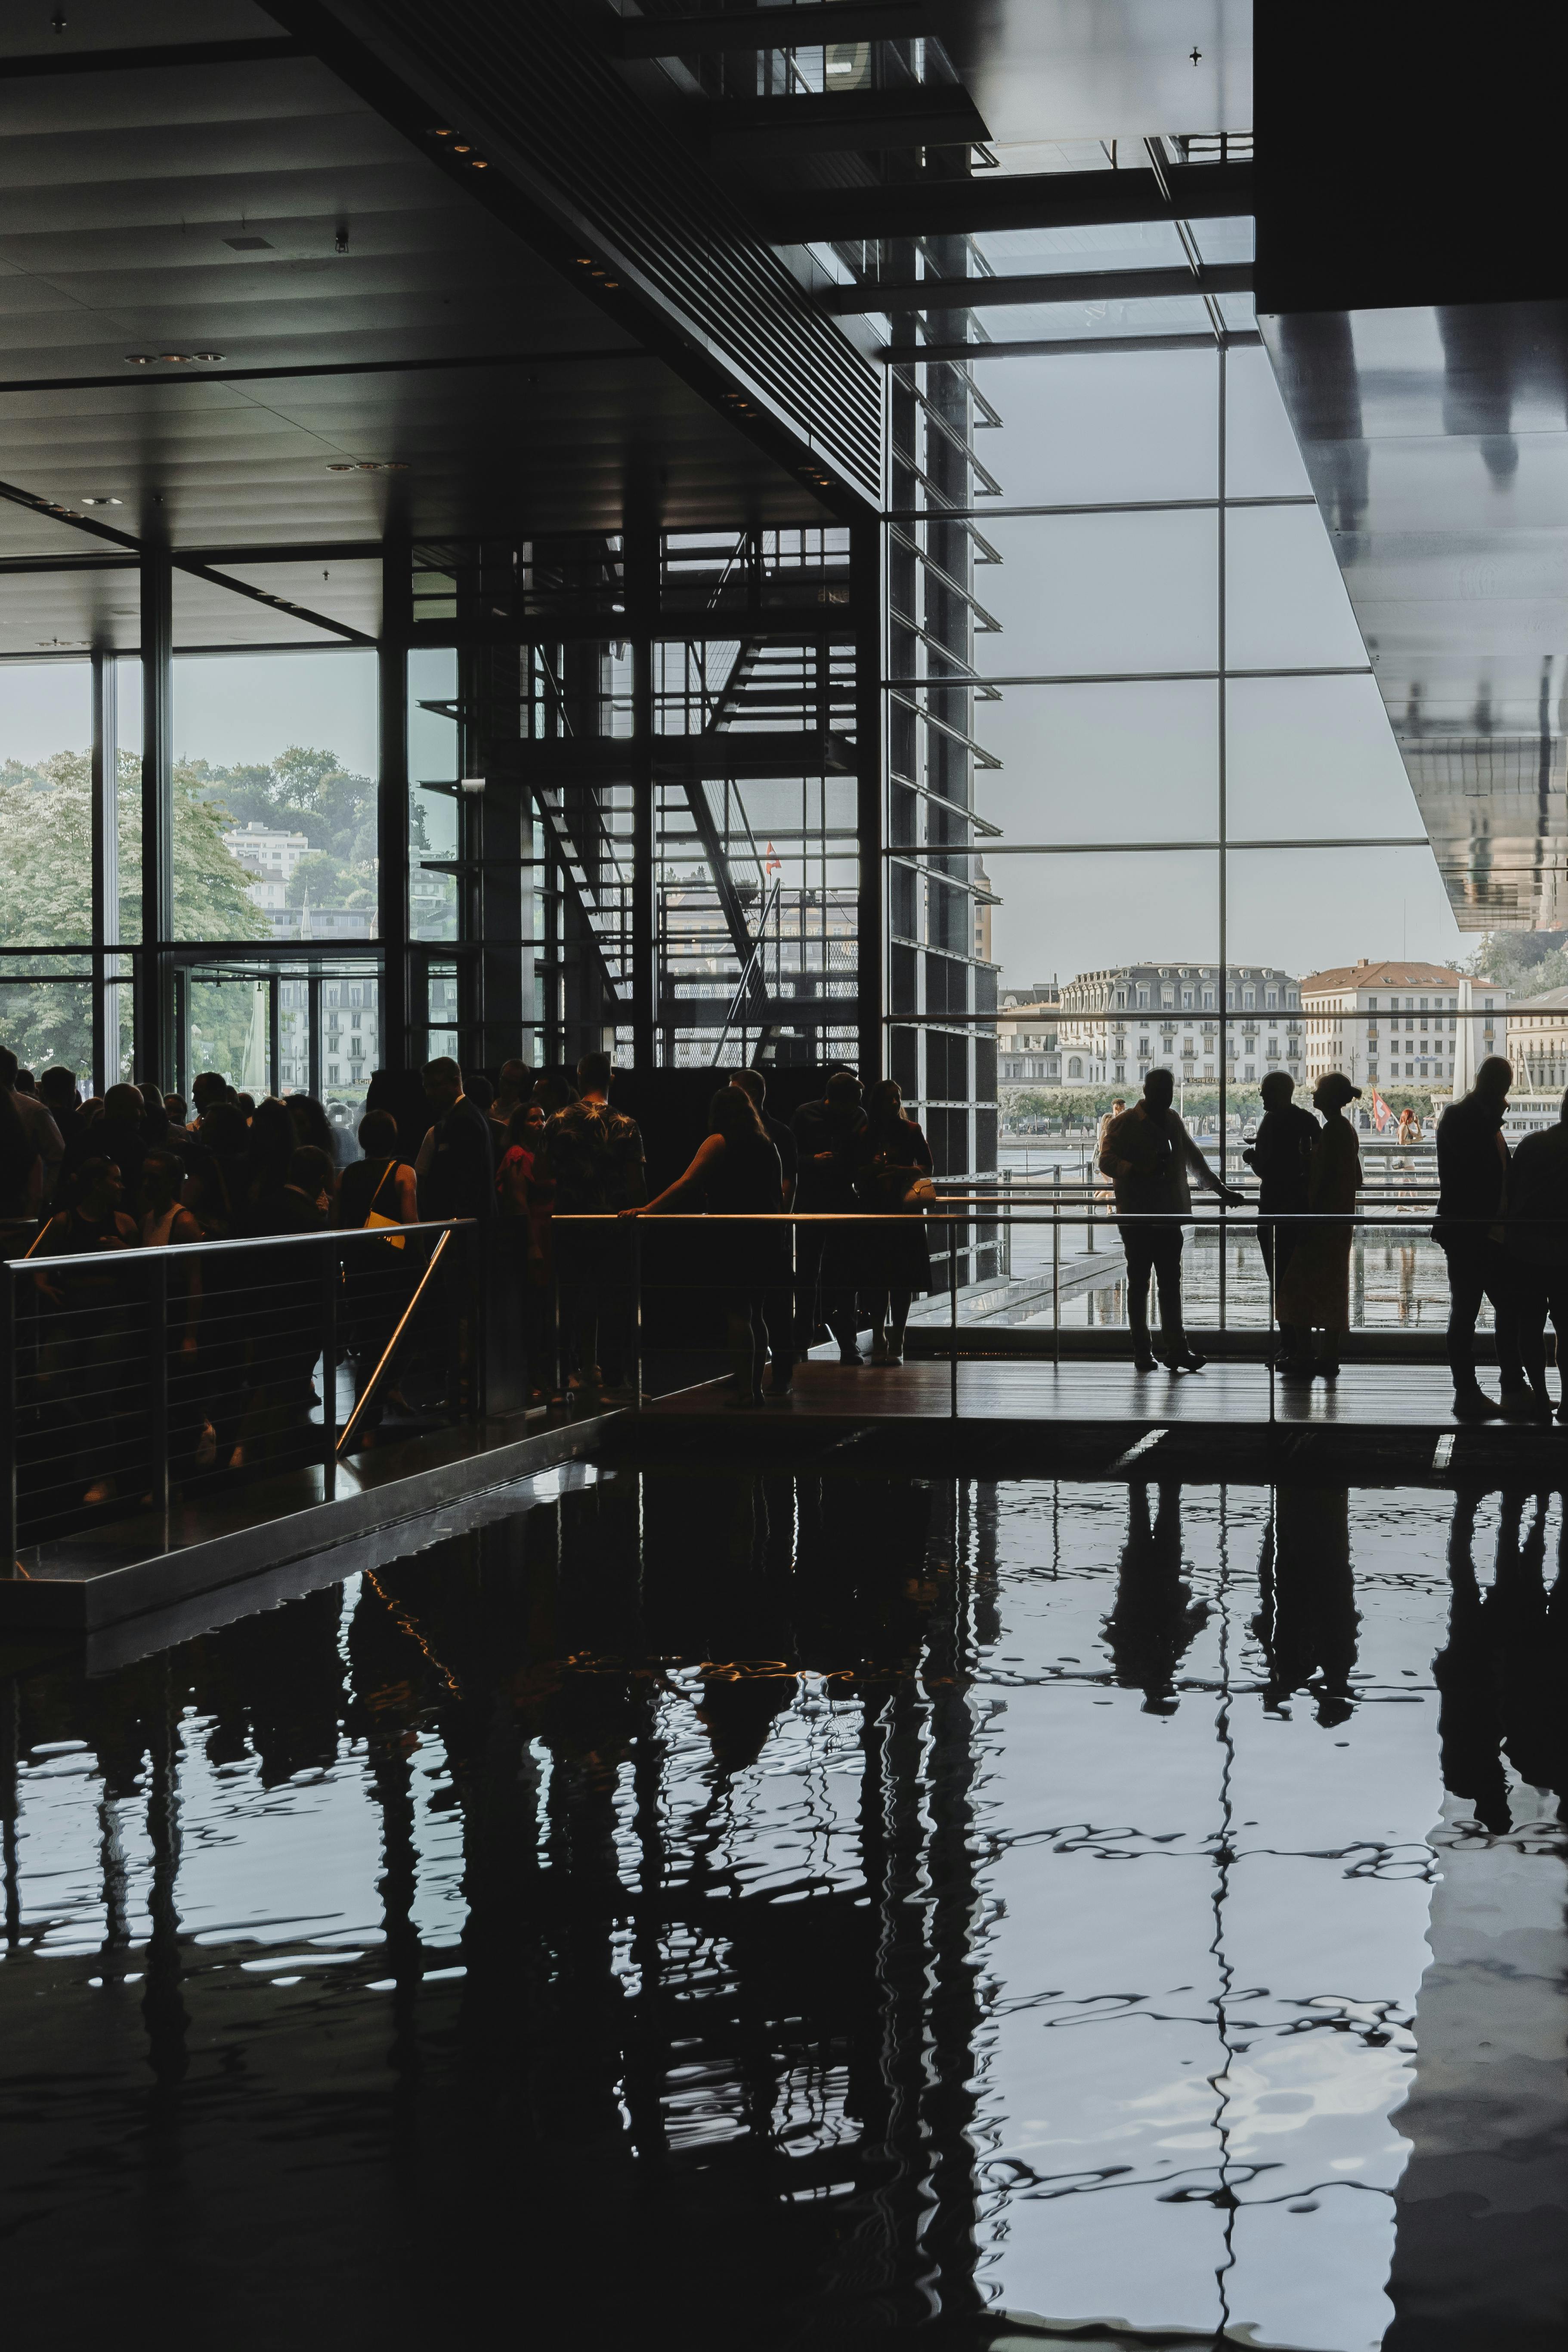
x: 373, y: 1215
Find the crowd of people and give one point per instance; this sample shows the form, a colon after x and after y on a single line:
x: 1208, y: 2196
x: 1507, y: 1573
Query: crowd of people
x: 541, y: 1169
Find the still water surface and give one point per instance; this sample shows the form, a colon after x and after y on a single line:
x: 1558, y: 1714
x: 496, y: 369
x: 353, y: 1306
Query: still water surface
x: 813, y: 1910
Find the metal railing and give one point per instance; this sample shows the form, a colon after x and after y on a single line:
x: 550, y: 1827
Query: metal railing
x: 946, y: 1229
x: 129, y: 1374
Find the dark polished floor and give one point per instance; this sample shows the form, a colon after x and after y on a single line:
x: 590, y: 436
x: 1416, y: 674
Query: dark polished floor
x: 1364, y: 1396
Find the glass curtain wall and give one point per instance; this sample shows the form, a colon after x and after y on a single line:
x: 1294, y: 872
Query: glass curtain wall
x: 638, y: 776
x: 270, y: 843
x: 1117, y: 632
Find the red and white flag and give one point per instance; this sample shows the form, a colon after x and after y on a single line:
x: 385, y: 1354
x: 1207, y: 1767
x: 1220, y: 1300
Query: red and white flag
x: 1381, y: 1114
x: 774, y: 865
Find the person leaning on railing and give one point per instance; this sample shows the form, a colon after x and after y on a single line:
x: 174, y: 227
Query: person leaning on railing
x: 1150, y: 1156
x: 737, y: 1171
x: 380, y: 1189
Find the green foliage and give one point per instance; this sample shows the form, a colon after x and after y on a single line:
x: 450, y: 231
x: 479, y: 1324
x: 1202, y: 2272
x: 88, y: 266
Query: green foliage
x: 305, y: 791
x: 1527, y: 963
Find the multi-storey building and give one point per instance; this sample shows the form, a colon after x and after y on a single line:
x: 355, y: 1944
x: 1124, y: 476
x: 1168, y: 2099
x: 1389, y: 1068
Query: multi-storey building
x: 1028, y: 1039
x: 1398, y: 1022
x: 1118, y: 1024
x: 271, y: 855
x: 1538, y: 1039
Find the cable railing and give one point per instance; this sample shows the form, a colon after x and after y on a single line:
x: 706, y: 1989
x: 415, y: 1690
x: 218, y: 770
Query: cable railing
x: 791, y: 1263
x: 131, y: 1374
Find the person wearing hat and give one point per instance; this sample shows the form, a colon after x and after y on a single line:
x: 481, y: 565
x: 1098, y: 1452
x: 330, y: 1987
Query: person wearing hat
x: 1315, y: 1286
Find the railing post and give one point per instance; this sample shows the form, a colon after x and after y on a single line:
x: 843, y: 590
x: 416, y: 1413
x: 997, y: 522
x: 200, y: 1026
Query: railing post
x: 1273, y: 1334
x: 637, y: 1314
x: 1056, y: 1280
x: 158, y: 1385
x: 329, y: 1370
x: 1008, y: 1224
x: 953, y: 1315
x: 8, y: 1421
x: 477, y: 1283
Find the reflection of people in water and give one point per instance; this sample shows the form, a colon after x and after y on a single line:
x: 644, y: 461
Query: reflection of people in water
x: 1501, y: 1674
x: 1156, y: 1616
x: 1307, y: 1618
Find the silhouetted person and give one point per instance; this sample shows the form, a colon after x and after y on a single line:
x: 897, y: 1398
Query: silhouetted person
x: 1535, y: 1240
x: 514, y: 1082
x: 1472, y: 1163
x: 1155, y: 1617
x: 455, y: 1162
x: 778, y: 1308
x: 118, y: 1134
x: 1315, y: 1288
x: 826, y: 1137
x: 57, y: 1093
x: 892, y: 1177
x: 21, y: 1170
x: 166, y: 1224
x: 378, y: 1189
x: 1306, y: 1619
x: 40, y: 1129
x: 1500, y: 1676
x: 1278, y: 1157
x: 1150, y: 1159
x: 593, y: 1157
x: 737, y: 1171
x: 92, y: 1358
x: 524, y: 1236
x: 284, y: 1322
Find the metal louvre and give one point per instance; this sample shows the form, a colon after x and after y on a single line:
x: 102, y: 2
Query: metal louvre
x: 548, y: 102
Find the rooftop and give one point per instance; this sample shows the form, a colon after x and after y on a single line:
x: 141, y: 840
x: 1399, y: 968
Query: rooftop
x: 1404, y: 973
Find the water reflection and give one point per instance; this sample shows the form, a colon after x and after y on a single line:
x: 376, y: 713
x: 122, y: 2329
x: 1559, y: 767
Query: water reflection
x: 886, y: 1903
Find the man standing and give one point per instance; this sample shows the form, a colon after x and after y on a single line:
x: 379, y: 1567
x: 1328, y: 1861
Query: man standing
x: 1472, y: 1166
x: 593, y: 1156
x: 1150, y: 1159
x: 455, y: 1165
x: 1279, y: 1157
x: 1535, y: 1238
x: 1107, y: 1120
x: 825, y: 1135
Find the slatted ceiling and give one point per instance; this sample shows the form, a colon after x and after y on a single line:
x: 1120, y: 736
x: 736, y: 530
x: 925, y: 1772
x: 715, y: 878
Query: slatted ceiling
x: 529, y: 79
x: 26, y: 30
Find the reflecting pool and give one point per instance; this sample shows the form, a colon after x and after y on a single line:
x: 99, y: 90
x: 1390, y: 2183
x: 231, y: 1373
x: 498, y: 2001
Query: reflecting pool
x: 802, y: 1910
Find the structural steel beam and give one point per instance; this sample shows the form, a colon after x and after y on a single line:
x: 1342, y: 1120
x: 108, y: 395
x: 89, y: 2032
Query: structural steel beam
x: 934, y: 206
x: 1056, y: 286
x: 770, y: 29
x: 925, y: 114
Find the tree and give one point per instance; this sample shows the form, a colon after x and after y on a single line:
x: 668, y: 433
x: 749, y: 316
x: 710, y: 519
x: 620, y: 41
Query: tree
x: 45, y: 890
x: 1526, y: 963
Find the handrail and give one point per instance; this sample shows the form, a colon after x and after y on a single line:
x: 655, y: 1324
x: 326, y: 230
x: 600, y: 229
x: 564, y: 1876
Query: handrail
x: 134, y: 1250
x: 369, y: 1389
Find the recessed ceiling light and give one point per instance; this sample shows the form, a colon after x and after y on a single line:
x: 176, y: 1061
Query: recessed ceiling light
x: 103, y: 502
x: 367, y: 466
x: 249, y: 243
x: 462, y: 148
x: 438, y: 132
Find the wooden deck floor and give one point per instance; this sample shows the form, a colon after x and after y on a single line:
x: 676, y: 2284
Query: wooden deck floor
x: 1231, y: 1395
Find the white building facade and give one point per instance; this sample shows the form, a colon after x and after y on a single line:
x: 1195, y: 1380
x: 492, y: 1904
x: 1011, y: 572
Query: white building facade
x: 271, y: 856
x: 1118, y: 1024
x: 1538, y: 1040
x: 1402, y: 1022
x: 1028, y: 1047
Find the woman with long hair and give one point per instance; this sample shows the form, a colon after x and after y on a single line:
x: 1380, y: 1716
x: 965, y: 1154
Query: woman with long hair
x: 892, y: 1178
x: 738, y: 1171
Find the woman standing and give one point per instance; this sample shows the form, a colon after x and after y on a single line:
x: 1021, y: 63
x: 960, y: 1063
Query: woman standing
x: 892, y: 1178
x: 1315, y: 1288
x: 738, y: 1168
x: 378, y: 1189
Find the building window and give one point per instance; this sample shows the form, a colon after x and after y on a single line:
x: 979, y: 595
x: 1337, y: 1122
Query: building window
x: 1075, y: 1067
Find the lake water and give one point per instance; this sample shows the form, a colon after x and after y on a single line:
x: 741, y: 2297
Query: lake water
x: 812, y: 1910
